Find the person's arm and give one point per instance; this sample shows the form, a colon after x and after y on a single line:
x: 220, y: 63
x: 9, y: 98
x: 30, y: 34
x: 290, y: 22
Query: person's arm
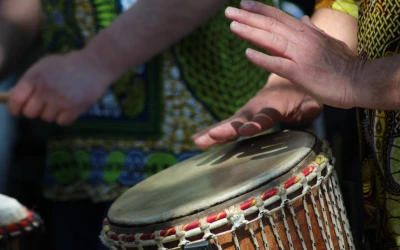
x: 280, y: 100
x: 62, y: 87
x: 19, y: 26
x: 376, y: 82
x: 145, y: 30
x: 325, y: 68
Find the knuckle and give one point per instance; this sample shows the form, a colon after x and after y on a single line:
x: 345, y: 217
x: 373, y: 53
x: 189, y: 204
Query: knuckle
x: 270, y: 23
x: 275, y: 41
x: 303, y: 38
x: 278, y: 14
x: 302, y: 27
x: 246, y: 14
x: 277, y: 65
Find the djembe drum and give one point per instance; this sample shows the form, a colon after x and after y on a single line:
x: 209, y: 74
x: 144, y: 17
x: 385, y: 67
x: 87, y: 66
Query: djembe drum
x: 275, y: 191
x: 20, y: 228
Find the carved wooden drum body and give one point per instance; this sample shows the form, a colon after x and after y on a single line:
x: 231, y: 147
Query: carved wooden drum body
x: 275, y: 191
x: 20, y: 228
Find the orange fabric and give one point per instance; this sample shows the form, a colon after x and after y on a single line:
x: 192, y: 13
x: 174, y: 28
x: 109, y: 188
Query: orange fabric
x: 323, y: 4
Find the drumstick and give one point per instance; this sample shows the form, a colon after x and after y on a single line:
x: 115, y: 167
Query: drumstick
x: 4, y: 97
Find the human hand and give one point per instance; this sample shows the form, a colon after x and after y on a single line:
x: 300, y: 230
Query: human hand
x: 325, y: 68
x: 59, y: 88
x: 278, y: 101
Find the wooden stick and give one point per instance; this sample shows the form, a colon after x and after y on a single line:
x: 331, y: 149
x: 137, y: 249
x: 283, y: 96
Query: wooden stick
x: 4, y: 97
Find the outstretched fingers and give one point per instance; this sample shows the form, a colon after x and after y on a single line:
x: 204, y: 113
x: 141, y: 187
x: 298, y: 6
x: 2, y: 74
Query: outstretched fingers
x: 280, y: 66
x: 245, y: 123
x: 273, y: 43
x: 271, y: 12
x: 265, y: 119
x: 259, y: 21
x: 227, y: 130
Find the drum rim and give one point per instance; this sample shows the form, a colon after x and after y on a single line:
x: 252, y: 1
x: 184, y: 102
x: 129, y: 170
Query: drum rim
x: 110, y: 236
x: 31, y: 223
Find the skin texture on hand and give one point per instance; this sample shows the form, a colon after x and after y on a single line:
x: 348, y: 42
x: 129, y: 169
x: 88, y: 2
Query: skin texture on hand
x: 59, y: 88
x: 300, y: 52
x: 279, y: 100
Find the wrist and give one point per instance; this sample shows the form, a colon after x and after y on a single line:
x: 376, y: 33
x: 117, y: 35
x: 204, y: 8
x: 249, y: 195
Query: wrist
x: 355, y: 88
x: 105, y: 59
x: 93, y: 64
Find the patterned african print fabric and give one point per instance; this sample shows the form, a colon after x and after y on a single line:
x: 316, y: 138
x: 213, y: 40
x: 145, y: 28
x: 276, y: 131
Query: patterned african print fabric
x: 379, y: 36
x: 145, y: 121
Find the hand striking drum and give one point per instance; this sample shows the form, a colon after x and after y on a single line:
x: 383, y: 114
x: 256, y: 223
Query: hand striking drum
x: 275, y: 191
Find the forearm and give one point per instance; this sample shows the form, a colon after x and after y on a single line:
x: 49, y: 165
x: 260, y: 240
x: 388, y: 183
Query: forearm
x: 146, y: 29
x: 19, y: 25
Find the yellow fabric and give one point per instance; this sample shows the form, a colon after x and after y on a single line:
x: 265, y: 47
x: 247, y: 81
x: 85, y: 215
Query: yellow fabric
x: 350, y: 7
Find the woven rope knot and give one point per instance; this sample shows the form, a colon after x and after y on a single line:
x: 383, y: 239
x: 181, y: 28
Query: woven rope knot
x: 238, y: 220
x: 183, y: 243
x: 208, y: 236
x: 282, y: 192
x: 259, y: 202
x: 121, y: 237
x: 286, y: 202
x: 180, y: 234
x: 330, y: 169
x: 229, y: 214
x: 157, y: 236
x: 204, y: 227
x: 306, y: 189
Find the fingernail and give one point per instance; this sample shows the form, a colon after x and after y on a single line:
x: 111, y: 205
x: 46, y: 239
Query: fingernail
x: 231, y: 10
x: 236, y: 26
x: 247, y: 3
x: 246, y: 126
x: 249, y: 52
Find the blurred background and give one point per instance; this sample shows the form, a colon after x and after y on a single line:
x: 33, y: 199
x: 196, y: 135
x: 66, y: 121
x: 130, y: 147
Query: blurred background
x: 23, y: 141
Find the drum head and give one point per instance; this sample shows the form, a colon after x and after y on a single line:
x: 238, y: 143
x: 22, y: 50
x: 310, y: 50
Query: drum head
x: 210, y: 179
x: 11, y: 211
